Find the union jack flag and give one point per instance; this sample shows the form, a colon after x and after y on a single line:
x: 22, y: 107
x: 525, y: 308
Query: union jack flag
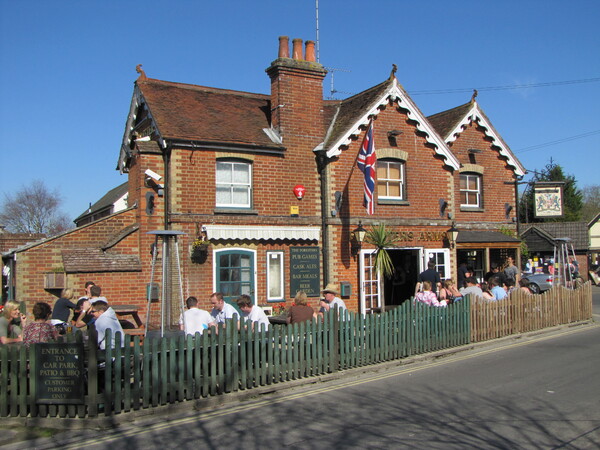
x: 366, y: 163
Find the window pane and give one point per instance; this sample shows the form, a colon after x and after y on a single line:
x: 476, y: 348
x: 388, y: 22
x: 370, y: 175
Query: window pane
x: 223, y: 172
x: 240, y: 196
x: 394, y: 171
x: 223, y: 195
x: 394, y: 190
x: 241, y: 173
x: 463, y: 181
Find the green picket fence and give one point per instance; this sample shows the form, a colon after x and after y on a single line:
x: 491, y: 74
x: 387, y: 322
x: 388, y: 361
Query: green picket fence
x: 131, y: 375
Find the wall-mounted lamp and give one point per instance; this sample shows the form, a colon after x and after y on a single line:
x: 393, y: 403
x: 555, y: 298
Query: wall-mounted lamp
x: 452, y: 234
x: 392, y: 135
x: 507, y: 209
x: 443, y: 206
x: 357, y: 237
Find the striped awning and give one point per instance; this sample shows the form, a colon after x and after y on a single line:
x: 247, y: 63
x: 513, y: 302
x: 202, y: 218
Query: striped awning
x: 262, y: 233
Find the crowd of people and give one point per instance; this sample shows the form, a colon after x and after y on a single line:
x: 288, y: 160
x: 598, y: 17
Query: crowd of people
x: 93, y: 308
x: 48, y: 323
x: 498, y: 283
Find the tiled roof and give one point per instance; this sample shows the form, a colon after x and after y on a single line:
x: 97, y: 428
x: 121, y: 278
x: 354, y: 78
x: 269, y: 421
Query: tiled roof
x: 450, y: 123
x: 88, y: 260
x: 106, y: 201
x: 10, y: 241
x: 576, y: 231
x: 351, y: 109
x: 209, y: 115
x: 444, y: 122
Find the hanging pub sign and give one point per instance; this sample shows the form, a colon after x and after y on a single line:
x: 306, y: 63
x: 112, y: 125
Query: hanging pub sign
x: 548, y: 200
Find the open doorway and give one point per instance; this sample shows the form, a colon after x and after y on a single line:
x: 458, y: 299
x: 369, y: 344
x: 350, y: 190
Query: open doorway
x: 401, y: 286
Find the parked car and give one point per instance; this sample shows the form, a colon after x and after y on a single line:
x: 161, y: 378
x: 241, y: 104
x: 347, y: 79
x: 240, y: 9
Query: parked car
x: 539, y: 282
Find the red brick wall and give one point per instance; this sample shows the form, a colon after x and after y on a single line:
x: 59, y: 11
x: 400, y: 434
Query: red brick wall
x: 119, y: 287
x: 496, y: 172
x: 426, y: 177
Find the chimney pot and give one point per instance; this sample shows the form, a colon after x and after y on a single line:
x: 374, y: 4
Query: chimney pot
x: 297, y: 51
x: 310, y: 51
x: 284, y: 47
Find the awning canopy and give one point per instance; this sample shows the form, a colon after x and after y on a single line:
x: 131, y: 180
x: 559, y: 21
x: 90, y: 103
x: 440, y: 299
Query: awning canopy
x: 473, y: 239
x: 262, y: 233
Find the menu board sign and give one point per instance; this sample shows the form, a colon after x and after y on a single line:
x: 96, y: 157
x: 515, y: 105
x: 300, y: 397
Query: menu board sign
x: 305, y: 271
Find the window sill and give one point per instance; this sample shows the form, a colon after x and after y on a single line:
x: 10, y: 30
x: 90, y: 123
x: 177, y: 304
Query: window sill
x: 471, y: 209
x: 235, y: 211
x: 393, y: 202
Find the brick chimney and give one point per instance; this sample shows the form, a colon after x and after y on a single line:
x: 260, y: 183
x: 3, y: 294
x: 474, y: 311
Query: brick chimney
x: 297, y: 92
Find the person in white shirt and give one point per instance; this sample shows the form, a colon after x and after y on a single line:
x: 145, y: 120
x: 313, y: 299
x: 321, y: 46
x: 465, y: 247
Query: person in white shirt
x: 331, y: 300
x: 221, y: 310
x: 195, y: 320
x: 252, y: 313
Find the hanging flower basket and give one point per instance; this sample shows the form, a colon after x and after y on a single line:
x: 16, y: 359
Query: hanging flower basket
x: 199, y: 250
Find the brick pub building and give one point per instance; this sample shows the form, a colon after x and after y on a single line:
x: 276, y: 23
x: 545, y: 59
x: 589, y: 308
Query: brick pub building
x: 268, y: 184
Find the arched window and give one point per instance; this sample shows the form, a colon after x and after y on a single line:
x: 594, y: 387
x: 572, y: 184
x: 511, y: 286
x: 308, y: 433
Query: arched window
x: 390, y: 179
x: 234, y: 183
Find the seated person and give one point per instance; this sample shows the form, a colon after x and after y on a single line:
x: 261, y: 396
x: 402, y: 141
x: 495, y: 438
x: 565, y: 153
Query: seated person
x: 221, y: 309
x: 252, y: 314
x: 195, y: 320
x: 300, y: 312
x: 449, y: 291
x: 487, y: 293
x: 524, y: 285
x: 472, y: 288
x: 105, y: 319
x: 40, y: 330
x: 428, y: 297
x: 498, y: 291
x: 11, y: 322
x: 63, y: 306
x: 331, y: 300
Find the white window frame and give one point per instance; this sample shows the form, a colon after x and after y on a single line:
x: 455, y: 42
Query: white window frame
x: 428, y: 253
x: 279, y: 255
x: 477, y: 191
x: 231, y: 185
x: 401, y: 181
x: 373, y: 300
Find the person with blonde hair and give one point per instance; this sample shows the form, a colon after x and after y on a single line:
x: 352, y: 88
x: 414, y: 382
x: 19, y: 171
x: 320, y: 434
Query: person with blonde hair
x: 449, y: 291
x: 429, y: 297
x: 300, y: 311
x: 63, y: 305
x: 10, y: 331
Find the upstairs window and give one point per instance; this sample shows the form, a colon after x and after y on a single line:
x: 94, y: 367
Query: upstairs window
x: 234, y: 184
x: 470, y: 190
x: 390, y: 180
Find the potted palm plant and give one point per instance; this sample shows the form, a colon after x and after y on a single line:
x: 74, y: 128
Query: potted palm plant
x: 382, y: 238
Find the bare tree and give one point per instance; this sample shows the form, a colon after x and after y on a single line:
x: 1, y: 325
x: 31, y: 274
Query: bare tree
x: 34, y: 209
x: 591, y: 202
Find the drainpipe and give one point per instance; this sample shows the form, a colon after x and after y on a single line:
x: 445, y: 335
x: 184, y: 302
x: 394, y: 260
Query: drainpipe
x: 322, y: 168
x: 167, y: 193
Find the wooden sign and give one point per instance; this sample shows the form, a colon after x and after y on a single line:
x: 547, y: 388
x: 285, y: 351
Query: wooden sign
x: 305, y: 270
x: 59, y: 375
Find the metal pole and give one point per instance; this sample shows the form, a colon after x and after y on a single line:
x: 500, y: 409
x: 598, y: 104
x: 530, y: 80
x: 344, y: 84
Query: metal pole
x: 164, y: 287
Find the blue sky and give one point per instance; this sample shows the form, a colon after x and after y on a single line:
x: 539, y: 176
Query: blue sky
x: 68, y: 67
